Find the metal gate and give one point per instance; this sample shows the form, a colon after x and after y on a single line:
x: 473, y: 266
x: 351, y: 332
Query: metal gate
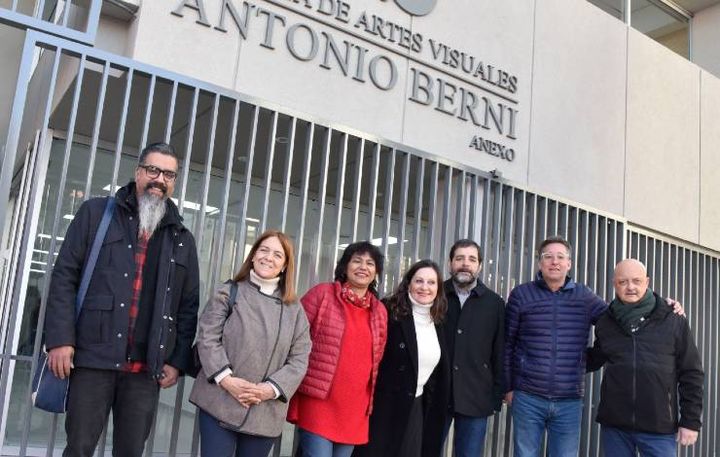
x: 79, y: 120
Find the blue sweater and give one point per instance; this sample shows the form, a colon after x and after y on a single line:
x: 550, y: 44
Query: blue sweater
x: 546, y: 335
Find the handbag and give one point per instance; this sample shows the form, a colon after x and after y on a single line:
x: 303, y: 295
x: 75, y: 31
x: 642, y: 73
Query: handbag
x: 49, y: 392
x: 196, y: 364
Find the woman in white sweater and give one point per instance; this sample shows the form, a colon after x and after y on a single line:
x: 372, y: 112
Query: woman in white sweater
x: 411, y: 397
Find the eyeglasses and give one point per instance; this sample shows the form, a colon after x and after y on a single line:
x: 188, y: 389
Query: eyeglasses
x: 549, y: 256
x: 153, y: 172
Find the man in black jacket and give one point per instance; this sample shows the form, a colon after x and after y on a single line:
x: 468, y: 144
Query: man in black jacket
x: 651, y: 366
x: 474, y: 328
x: 138, y: 319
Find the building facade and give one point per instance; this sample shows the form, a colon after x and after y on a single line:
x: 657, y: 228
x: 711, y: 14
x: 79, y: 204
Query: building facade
x: 408, y: 123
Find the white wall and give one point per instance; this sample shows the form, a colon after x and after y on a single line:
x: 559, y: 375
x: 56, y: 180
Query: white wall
x: 662, y: 178
x: 710, y: 162
x: 578, y: 104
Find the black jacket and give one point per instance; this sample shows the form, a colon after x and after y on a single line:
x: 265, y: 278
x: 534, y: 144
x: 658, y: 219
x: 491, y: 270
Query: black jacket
x: 475, y: 338
x: 166, y: 324
x: 395, y: 393
x: 646, y: 370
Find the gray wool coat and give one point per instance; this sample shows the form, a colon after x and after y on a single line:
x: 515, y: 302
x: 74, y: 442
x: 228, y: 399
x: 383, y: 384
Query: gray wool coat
x: 262, y: 339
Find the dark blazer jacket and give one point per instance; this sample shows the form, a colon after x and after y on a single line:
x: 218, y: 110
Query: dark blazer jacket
x: 475, y: 339
x: 395, y: 393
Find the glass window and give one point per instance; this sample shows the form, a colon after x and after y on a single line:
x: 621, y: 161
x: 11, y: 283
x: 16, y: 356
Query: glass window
x: 613, y: 7
x: 663, y: 25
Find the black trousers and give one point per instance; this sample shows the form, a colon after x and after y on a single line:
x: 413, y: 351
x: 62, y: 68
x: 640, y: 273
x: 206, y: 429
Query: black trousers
x: 412, y: 440
x: 133, y: 399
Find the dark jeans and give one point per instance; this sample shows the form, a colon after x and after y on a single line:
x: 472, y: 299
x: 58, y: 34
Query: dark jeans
x: 532, y: 415
x: 312, y: 445
x: 469, y: 438
x: 133, y: 398
x: 216, y: 441
x: 619, y: 443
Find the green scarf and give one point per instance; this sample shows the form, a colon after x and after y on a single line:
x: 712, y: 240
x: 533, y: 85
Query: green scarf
x: 630, y: 316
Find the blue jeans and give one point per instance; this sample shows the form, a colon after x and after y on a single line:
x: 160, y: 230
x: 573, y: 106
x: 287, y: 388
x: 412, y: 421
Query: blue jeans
x: 619, y: 443
x: 532, y: 415
x: 217, y: 441
x: 312, y: 445
x: 469, y: 438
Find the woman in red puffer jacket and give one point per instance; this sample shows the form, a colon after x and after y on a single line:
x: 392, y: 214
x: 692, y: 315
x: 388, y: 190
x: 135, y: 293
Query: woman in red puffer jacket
x: 348, y: 329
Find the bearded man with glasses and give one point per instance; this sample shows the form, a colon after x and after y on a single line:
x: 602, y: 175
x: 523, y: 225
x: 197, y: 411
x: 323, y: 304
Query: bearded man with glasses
x: 138, y: 319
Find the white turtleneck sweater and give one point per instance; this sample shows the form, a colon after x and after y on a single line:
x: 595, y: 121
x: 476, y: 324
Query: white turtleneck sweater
x: 427, y: 343
x: 268, y: 287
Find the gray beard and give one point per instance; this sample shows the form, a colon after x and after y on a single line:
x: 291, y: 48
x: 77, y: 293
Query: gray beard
x: 463, y: 283
x: 151, y: 211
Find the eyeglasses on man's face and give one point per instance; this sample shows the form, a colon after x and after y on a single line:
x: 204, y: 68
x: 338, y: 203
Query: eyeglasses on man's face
x: 153, y: 172
x: 548, y: 256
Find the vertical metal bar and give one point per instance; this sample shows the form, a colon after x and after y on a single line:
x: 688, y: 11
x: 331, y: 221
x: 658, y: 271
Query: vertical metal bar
x: 373, y: 195
x: 521, y: 244
x: 387, y: 213
x: 339, y: 197
x: 508, y: 240
x: 533, y: 239
x: 325, y: 164
x: 288, y: 174
x: 268, y: 171
x: 121, y: 129
x: 460, y: 212
x: 304, y: 198
x: 242, y: 225
x: 472, y: 216
x: 358, y: 181
x: 66, y: 12
x: 419, y: 188
x: 188, y: 150
x: 148, y: 112
x: 219, y: 250
x: 171, y: 113
x: 403, y: 213
x: 96, y: 130
x: 497, y: 234
x: 447, y: 205
x: 431, y: 210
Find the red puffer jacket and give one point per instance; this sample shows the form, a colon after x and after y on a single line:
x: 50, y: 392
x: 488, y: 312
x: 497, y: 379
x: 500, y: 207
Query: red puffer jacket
x: 324, y: 310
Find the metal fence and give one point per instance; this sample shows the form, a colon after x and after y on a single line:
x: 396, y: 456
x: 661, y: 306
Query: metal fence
x: 73, y: 19
x: 80, y: 118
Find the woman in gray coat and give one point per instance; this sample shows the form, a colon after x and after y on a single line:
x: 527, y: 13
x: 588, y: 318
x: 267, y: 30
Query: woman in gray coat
x: 254, y: 354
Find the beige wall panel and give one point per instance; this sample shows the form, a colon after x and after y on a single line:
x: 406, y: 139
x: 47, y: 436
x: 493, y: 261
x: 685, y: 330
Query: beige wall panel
x: 663, y: 145
x: 705, y: 39
x: 578, y: 108
x: 498, y: 34
x: 710, y: 162
x: 307, y: 86
x: 182, y: 45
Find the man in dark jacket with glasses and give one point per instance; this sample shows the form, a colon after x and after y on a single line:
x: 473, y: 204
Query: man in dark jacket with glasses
x: 138, y: 319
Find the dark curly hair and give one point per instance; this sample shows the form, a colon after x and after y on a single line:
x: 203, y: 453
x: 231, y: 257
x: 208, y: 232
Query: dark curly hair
x: 399, y: 304
x: 360, y: 247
